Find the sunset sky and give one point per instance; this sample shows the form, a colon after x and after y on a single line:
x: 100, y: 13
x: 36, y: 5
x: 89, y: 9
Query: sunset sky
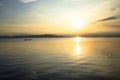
x: 59, y: 16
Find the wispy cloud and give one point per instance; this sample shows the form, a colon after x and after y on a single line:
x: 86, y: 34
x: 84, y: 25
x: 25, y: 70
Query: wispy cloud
x: 27, y: 1
x: 115, y: 25
x: 1, y: 4
x: 116, y: 5
x: 108, y: 18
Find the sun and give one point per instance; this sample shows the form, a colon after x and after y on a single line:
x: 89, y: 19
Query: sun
x: 78, y: 24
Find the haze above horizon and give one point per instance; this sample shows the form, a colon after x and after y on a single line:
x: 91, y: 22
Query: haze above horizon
x: 59, y: 17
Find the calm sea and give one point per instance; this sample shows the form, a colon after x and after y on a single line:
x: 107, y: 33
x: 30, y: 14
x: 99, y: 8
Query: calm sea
x: 60, y: 59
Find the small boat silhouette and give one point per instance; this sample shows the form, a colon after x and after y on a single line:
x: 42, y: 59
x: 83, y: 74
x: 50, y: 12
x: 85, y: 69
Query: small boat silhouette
x: 27, y: 39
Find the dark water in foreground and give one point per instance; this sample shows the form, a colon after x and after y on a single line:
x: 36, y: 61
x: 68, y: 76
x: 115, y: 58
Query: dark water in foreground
x: 60, y: 59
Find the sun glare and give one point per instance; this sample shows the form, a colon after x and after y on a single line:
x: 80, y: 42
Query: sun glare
x: 78, y: 24
x: 77, y: 47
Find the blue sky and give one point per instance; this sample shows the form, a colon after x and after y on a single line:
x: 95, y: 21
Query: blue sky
x: 57, y: 16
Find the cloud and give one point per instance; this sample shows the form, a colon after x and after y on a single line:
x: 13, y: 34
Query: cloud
x: 116, y: 5
x: 109, y: 18
x: 27, y: 1
x: 115, y: 25
x: 1, y: 4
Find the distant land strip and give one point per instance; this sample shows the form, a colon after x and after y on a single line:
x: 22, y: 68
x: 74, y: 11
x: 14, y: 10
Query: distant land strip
x: 60, y: 36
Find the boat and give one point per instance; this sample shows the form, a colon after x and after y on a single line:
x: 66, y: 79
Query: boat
x: 27, y: 39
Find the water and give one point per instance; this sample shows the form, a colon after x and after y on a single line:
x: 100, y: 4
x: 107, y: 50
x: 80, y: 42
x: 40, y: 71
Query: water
x: 60, y: 59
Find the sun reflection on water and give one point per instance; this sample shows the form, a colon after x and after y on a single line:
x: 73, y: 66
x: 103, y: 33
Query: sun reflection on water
x: 77, y: 46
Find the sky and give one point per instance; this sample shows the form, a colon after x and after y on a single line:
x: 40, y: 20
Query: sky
x: 59, y: 16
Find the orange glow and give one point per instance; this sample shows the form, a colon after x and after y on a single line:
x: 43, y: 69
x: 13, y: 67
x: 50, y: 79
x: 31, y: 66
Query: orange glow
x: 77, y: 46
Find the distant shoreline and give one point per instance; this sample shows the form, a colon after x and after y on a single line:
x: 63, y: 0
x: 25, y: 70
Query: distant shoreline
x: 68, y: 37
x: 61, y: 36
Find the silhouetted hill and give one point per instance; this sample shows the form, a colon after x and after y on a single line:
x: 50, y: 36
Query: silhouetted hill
x: 35, y: 36
x: 100, y: 35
